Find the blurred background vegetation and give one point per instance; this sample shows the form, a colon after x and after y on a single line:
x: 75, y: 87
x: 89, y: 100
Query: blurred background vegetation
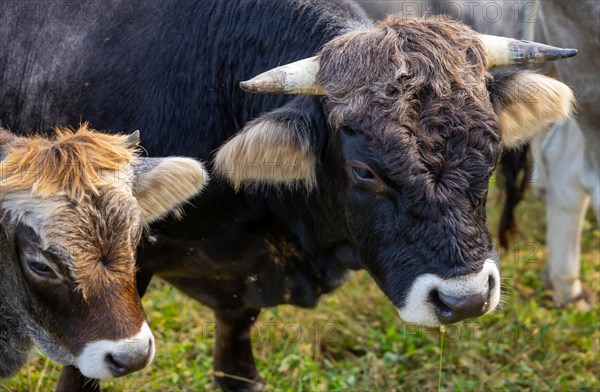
x: 355, y: 341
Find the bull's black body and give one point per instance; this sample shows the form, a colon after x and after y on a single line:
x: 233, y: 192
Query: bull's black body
x: 171, y: 68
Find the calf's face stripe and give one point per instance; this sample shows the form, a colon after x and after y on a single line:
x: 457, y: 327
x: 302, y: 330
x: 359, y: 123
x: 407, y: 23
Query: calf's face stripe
x: 73, y: 318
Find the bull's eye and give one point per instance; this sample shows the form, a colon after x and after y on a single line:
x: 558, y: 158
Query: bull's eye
x: 366, y: 178
x: 363, y: 173
x: 41, y: 269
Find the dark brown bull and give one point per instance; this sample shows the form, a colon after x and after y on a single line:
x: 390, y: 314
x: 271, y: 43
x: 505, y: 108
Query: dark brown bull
x: 418, y: 123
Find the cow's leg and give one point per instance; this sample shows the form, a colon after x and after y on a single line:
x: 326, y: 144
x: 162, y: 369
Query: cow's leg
x: 563, y: 235
x: 566, y: 204
x: 538, y: 170
x: 595, y: 194
x: 71, y: 379
x: 233, y: 359
x: 591, y: 180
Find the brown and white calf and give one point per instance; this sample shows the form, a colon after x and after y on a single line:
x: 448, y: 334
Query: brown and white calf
x: 74, y: 208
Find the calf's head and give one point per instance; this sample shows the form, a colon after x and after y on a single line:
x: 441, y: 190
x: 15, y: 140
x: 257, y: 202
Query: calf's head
x: 399, y: 146
x: 74, y: 208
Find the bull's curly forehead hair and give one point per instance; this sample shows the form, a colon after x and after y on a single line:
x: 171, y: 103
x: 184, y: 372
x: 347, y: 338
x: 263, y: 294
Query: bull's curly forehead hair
x: 400, y: 55
x: 72, y: 161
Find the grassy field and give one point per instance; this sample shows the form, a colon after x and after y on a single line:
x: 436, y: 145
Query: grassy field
x: 355, y: 341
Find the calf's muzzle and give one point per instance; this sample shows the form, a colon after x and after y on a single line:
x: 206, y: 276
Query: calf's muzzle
x: 107, y: 359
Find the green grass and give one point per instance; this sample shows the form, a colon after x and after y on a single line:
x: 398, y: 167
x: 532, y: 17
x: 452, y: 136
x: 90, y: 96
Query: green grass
x: 354, y: 340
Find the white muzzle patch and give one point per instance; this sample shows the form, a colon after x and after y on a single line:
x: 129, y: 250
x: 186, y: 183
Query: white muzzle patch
x: 106, y: 359
x: 419, y: 309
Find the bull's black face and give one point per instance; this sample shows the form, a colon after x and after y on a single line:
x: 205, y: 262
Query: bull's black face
x: 414, y: 128
x: 431, y: 253
x: 408, y: 193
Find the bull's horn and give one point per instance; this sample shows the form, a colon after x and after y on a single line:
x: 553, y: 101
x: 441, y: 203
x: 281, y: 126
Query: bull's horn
x: 294, y: 78
x: 507, y: 51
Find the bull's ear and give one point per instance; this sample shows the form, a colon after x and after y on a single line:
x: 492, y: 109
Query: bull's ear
x: 527, y: 103
x: 162, y: 185
x: 278, y: 148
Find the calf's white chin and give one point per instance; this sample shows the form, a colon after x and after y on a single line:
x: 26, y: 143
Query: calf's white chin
x: 418, y: 308
x: 92, y: 361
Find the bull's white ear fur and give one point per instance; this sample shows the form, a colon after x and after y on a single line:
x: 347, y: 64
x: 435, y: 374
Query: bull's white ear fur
x: 166, y: 184
x: 267, y: 151
x: 533, y: 103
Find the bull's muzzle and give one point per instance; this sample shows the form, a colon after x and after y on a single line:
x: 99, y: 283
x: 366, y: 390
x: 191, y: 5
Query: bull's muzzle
x: 434, y: 301
x: 451, y: 309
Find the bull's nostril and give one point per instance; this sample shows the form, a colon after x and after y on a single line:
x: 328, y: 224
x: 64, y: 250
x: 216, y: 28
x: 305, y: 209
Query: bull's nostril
x: 115, y: 367
x: 491, y: 283
x: 451, y: 309
x: 438, y: 302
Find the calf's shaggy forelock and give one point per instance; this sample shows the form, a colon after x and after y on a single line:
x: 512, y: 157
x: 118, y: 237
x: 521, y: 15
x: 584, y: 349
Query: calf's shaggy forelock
x: 71, y: 162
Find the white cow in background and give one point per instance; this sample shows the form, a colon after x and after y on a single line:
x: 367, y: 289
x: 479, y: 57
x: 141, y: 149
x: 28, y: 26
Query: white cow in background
x: 571, y: 152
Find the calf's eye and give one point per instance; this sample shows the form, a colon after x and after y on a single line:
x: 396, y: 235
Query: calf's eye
x: 41, y: 269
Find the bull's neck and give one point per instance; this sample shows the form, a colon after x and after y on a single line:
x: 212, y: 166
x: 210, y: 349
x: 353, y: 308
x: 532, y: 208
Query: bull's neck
x: 315, y: 226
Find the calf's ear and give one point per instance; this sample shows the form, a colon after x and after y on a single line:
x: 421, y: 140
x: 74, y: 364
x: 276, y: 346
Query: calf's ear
x: 527, y: 103
x: 162, y: 185
x: 278, y: 148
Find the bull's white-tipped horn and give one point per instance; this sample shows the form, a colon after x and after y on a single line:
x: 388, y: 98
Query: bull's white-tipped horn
x: 294, y: 78
x: 508, y: 51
